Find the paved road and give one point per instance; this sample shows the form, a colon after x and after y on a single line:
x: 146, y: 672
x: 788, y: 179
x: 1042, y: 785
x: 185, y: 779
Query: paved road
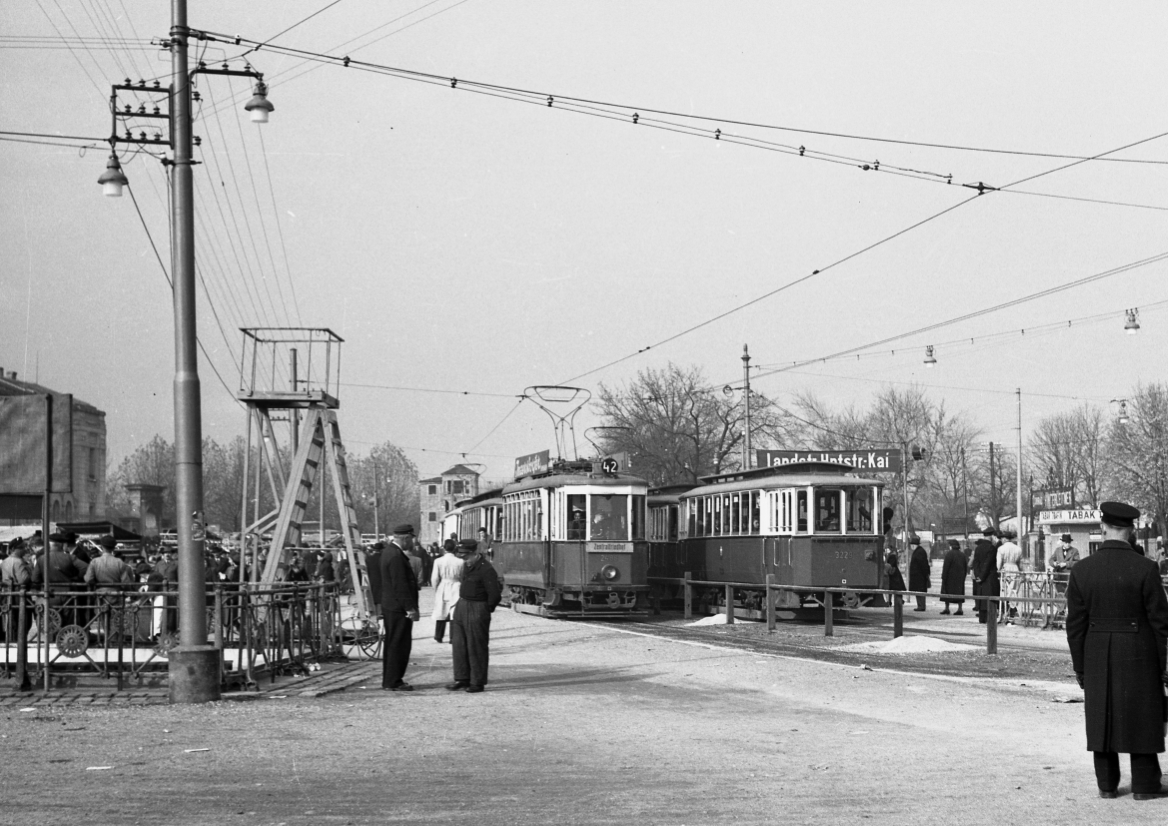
x: 581, y: 724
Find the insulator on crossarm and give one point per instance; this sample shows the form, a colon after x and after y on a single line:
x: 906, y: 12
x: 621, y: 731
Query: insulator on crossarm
x: 141, y: 108
x: 127, y: 109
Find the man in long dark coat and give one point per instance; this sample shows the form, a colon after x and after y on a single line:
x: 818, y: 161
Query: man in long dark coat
x: 399, y: 609
x: 985, y: 574
x: 919, y: 570
x: 470, y: 626
x: 1117, y: 629
x: 373, y: 573
x: 953, y: 571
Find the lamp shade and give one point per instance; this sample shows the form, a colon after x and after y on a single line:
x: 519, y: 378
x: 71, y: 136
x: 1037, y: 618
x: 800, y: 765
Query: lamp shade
x: 113, y: 179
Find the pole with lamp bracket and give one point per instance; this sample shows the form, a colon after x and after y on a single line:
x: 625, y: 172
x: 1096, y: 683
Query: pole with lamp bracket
x: 194, y: 665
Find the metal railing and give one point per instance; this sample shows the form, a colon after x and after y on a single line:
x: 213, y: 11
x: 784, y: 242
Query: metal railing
x: 124, y: 634
x: 1046, y: 604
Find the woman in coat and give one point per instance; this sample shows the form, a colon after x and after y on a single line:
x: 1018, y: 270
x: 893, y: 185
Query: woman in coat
x: 445, y: 579
x: 892, y: 572
x: 953, y: 572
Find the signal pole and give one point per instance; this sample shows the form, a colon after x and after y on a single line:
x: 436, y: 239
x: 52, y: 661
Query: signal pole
x: 194, y: 665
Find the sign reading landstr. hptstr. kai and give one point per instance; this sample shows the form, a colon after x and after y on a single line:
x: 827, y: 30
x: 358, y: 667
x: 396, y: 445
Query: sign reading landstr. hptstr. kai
x: 874, y: 459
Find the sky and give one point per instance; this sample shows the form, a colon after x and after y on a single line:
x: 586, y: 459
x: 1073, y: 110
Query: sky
x: 469, y: 242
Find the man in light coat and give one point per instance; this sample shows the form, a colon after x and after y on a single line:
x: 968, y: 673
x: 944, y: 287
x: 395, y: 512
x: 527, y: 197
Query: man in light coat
x: 445, y: 579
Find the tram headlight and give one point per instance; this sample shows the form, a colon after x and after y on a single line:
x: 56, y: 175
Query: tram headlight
x: 609, y: 572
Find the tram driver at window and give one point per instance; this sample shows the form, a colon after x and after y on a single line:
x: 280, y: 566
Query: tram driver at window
x: 578, y: 525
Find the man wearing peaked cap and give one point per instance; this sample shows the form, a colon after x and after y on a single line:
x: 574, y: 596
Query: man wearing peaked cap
x: 1117, y: 630
x: 985, y: 574
x: 470, y: 629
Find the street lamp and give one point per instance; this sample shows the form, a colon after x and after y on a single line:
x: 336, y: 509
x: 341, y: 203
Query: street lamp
x: 259, y: 106
x: 113, y: 179
x: 1120, y: 408
x: 1133, y: 321
x: 930, y: 361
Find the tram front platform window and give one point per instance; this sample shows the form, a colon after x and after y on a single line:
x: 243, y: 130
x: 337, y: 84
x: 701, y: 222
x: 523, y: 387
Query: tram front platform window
x: 827, y: 511
x: 610, y: 520
x: 577, y: 520
x: 860, y: 510
x: 801, y: 511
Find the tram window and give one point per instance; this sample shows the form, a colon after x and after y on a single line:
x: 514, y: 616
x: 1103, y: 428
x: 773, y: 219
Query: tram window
x: 692, y: 519
x: 827, y: 511
x: 638, y: 516
x: 801, y: 511
x: 860, y: 510
x: 735, y: 514
x: 610, y: 517
x: 671, y: 535
x: 755, y: 513
x: 577, y: 521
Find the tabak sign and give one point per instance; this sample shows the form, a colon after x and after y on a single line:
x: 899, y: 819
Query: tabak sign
x: 533, y: 463
x: 882, y: 459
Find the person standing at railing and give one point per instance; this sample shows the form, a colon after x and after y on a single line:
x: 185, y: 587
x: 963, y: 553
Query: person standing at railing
x: 1009, y: 569
x: 1117, y: 630
x: 15, y: 578
x: 985, y: 573
x: 919, y: 571
x: 1061, y: 561
x: 107, y: 572
x: 953, y: 573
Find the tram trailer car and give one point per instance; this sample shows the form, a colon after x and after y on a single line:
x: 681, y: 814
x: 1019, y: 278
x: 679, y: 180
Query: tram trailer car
x: 482, y: 511
x: 810, y: 524
x: 574, y: 542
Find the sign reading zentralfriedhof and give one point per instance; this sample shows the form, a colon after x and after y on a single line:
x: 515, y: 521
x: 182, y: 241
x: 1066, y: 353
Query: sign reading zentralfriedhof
x: 874, y: 459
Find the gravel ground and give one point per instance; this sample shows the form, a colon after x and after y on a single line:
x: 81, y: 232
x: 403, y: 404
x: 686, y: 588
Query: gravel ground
x: 591, y: 723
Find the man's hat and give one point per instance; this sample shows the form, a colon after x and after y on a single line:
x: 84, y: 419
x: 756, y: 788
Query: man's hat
x: 989, y: 530
x: 57, y: 537
x: 403, y: 529
x: 914, y: 539
x: 70, y: 538
x: 1011, y: 535
x: 1119, y: 514
x: 1066, y: 537
x: 468, y: 544
x: 108, y: 542
x: 953, y: 543
x: 377, y: 546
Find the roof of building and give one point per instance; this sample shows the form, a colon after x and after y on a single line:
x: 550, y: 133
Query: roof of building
x: 431, y: 481
x: 10, y: 385
x: 460, y: 470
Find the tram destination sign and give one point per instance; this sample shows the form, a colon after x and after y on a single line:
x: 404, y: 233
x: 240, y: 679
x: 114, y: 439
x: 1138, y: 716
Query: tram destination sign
x: 533, y: 463
x: 875, y: 459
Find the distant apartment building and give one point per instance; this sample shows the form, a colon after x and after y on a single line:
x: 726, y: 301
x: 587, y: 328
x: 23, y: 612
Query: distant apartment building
x: 438, y: 495
x: 87, y: 501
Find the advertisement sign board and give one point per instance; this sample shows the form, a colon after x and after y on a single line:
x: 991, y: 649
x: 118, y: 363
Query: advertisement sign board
x: 533, y: 463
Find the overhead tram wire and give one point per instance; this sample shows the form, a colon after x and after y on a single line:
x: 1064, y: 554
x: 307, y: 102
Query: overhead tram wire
x: 432, y: 390
x: 309, y: 55
x: 301, y: 21
x: 778, y: 290
x: 491, y: 432
x: 103, y: 36
x: 280, y: 230
x: 1089, y: 279
x: 170, y: 283
x: 80, y: 62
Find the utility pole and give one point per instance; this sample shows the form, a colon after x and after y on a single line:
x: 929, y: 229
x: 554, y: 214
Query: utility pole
x: 1022, y: 530
x: 746, y: 392
x: 993, y: 487
x: 965, y: 490
x: 194, y: 664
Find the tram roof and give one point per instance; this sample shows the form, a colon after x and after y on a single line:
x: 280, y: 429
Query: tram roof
x: 795, y: 474
x: 487, y: 497
x: 668, y: 494
x: 559, y: 479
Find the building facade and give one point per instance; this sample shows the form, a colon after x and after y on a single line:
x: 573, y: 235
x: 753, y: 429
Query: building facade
x: 437, y: 496
x: 87, y: 501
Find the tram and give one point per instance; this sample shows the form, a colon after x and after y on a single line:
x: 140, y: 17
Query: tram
x: 573, y: 542
x: 468, y: 515
x: 666, y: 553
x: 810, y: 524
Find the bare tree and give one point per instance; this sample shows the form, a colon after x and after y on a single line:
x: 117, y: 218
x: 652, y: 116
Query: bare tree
x: 677, y: 428
x: 1138, y: 452
x: 1068, y: 451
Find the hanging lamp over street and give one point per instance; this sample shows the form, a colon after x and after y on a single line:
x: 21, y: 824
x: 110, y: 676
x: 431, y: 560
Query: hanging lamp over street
x: 259, y: 106
x: 113, y: 179
x: 1133, y: 321
x: 930, y: 361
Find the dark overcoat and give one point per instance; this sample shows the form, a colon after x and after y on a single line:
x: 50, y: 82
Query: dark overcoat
x: 985, y: 569
x: 373, y: 572
x: 919, y: 570
x: 953, y: 571
x: 399, y: 583
x: 1117, y: 629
